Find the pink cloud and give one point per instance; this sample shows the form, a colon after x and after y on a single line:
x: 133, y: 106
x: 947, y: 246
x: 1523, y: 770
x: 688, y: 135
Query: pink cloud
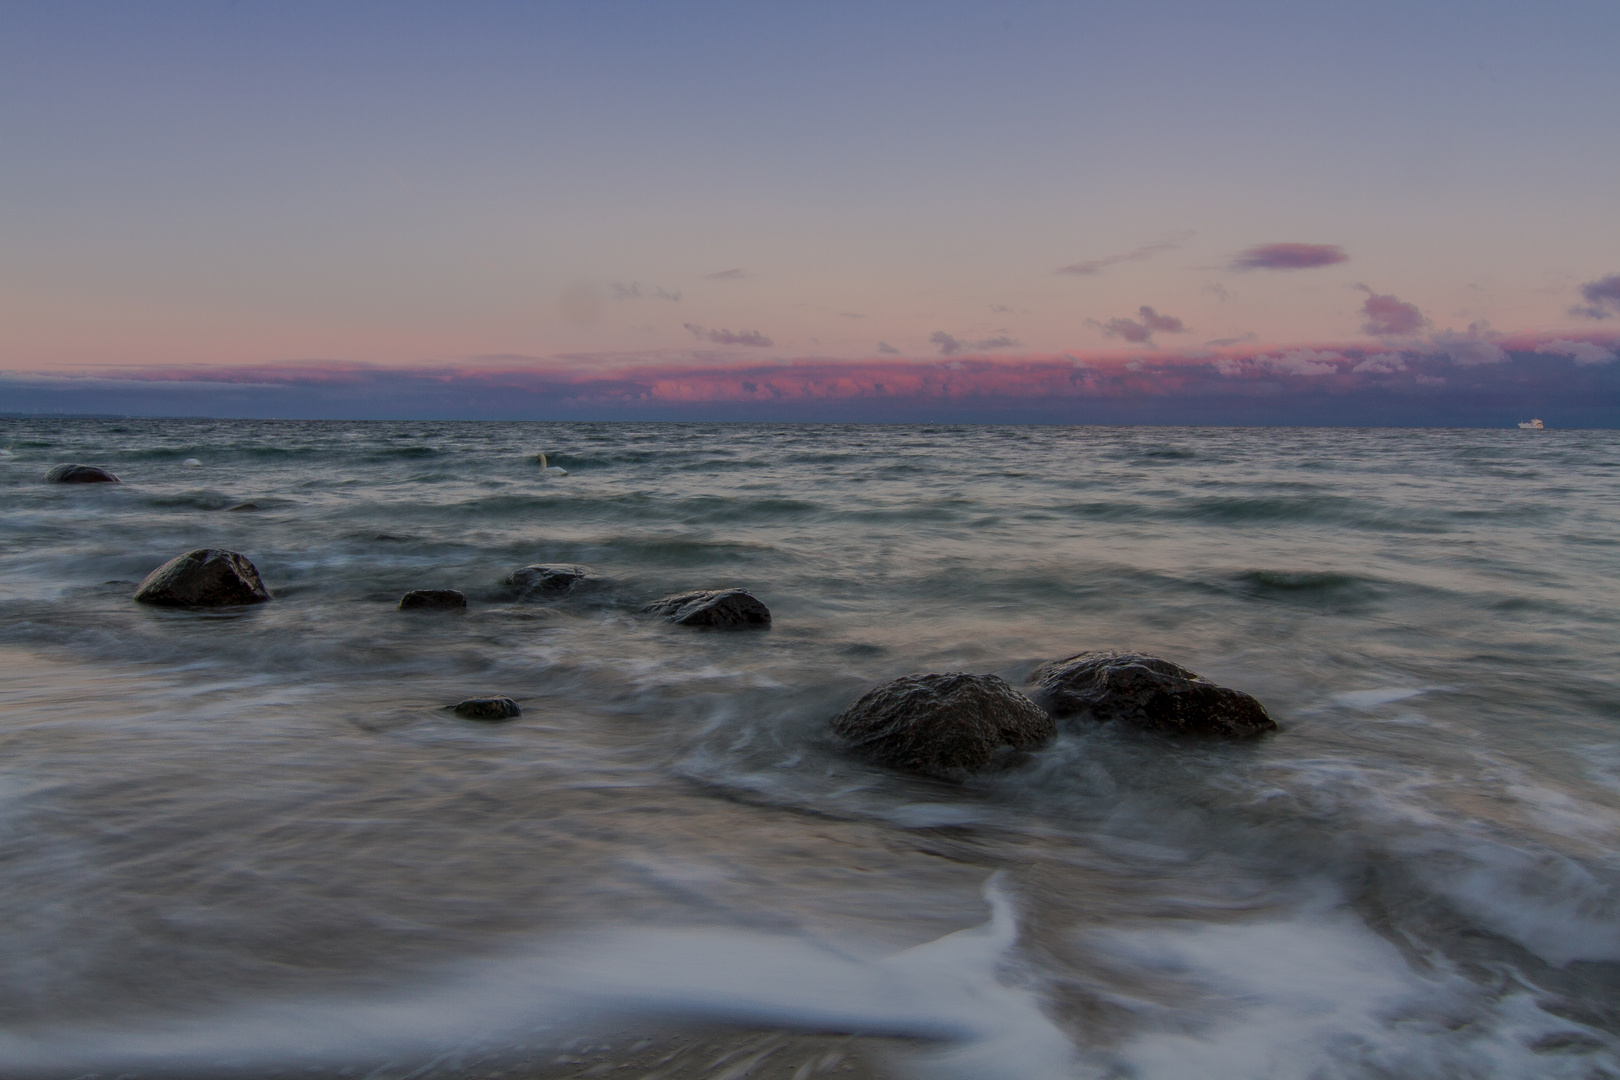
x: 1147, y: 251
x: 1582, y: 352
x: 1289, y: 257
x: 606, y: 385
x: 1386, y: 316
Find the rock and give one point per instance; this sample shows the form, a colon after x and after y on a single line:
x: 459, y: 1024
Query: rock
x: 486, y: 708
x: 1148, y: 692
x: 944, y: 725
x: 207, y: 577
x: 544, y: 580
x: 724, y: 609
x: 80, y: 474
x: 432, y: 600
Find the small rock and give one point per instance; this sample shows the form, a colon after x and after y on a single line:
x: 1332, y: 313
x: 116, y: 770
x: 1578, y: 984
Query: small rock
x: 944, y: 725
x: 486, y: 708
x: 544, y: 580
x: 432, y: 600
x: 1148, y: 692
x: 206, y: 577
x: 80, y: 474
x: 724, y: 609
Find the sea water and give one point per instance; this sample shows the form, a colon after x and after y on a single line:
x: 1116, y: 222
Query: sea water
x: 252, y: 842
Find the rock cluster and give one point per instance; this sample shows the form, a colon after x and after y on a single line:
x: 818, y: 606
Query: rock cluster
x: 206, y: 577
x: 432, y: 600
x: 80, y: 474
x: 723, y: 609
x: 943, y: 725
x: 1148, y: 692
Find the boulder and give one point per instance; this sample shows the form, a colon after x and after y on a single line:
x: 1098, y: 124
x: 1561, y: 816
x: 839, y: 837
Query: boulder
x: 544, y: 580
x: 946, y: 725
x: 1148, y: 692
x: 432, y: 600
x: 724, y: 609
x: 207, y: 577
x: 80, y: 474
x: 486, y: 708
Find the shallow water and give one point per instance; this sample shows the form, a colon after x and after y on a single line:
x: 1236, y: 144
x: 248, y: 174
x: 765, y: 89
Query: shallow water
x: 255, y: 838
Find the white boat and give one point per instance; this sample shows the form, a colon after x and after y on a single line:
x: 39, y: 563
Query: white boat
x: 1531, y: 425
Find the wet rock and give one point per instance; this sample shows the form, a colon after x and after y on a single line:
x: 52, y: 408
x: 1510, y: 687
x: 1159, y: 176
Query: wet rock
x: 486, y: 708
x: 432, y: 600
x: 206, y: 577
x: 724, y: 609
x: 544, y: 580
x: 947, y: 725
x: 1148, y: 692
x: 80, y: 474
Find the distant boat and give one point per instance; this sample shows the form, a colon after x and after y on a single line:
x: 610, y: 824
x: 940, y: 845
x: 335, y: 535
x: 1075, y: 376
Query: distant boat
x: 1531, y: 425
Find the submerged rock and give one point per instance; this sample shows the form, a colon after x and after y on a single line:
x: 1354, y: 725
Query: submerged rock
x: 80, y: 474
x: 206, y: 577
x: 486, y: 708
x: 943, y: 725
x: 724, y: 609
x: 432, y: 600
x: 544, y: 579
x: 1148, y: 692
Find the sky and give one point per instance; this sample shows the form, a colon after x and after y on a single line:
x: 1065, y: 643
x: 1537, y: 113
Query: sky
x: 1178, y: 212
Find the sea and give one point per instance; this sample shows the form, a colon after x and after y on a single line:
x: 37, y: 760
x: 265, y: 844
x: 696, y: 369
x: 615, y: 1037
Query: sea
x: 253, y: 842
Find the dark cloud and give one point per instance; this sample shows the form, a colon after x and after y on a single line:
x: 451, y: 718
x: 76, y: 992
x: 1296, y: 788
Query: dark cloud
x: 1160, y: 324
x: 1602, y: 298
x: 887, y: 349
x: 1140, y: 333
x: 950, y: 345
x: 726, y: 275
x: 1147, y: 251
x: 726, y: 337
x: 1386, y: 316
x: 1289, y: 257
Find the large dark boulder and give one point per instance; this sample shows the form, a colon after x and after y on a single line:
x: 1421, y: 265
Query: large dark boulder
x: 207, y: 577
x: 724, y: 609
x: 947, y: 725
x: 1148, y: 692
x: 486, y: 708
x: 432, y: 600
x: 80, y: 474
x: 544, y: 580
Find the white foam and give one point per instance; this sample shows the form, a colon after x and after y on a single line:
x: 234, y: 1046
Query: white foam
x: 947, y: 990
x: 1322, y: 996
